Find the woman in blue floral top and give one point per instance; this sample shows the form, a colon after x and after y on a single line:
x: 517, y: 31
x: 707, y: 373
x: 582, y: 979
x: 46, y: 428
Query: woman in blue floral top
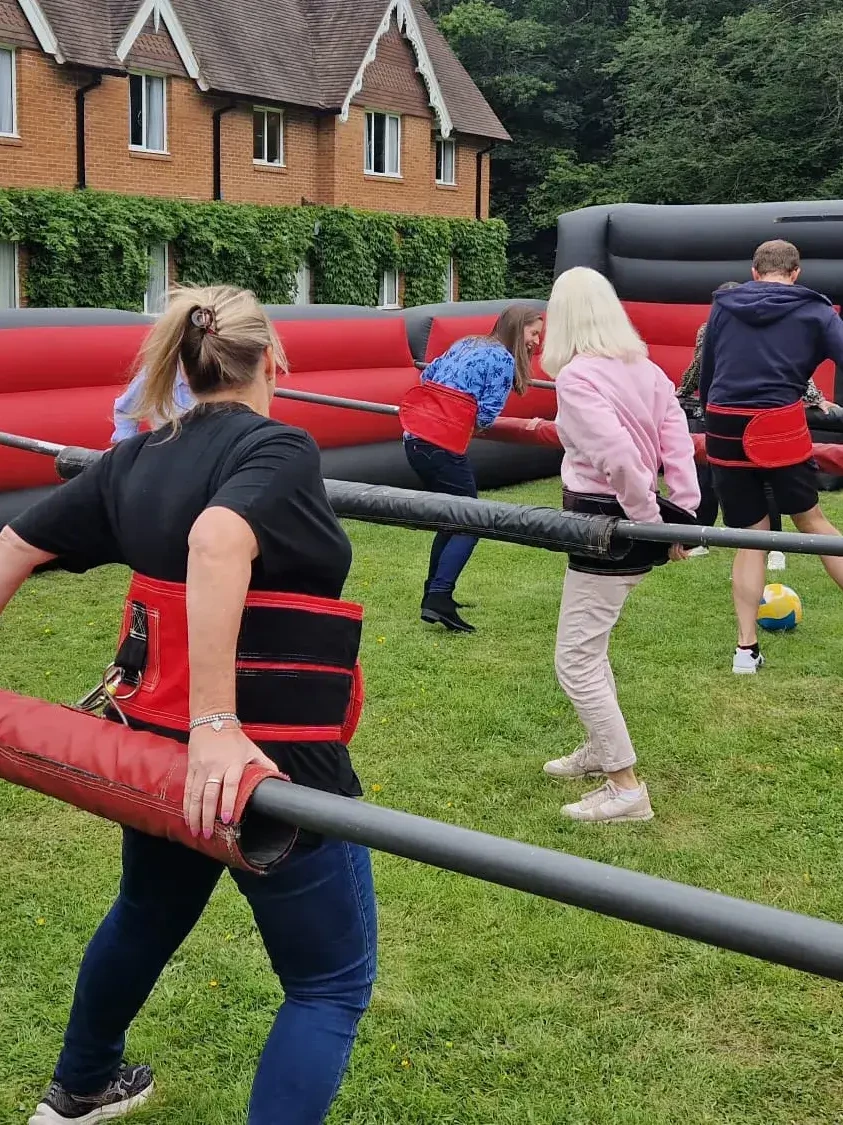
x: 487, y: 368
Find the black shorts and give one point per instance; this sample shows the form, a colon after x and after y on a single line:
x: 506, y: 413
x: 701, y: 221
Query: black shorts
x: 743, y: 493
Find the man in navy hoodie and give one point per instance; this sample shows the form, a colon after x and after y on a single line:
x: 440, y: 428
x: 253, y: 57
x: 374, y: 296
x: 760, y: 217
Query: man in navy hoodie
x: 764, y: 341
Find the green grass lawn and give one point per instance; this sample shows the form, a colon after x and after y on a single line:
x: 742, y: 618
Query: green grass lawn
x: 492, y: 1008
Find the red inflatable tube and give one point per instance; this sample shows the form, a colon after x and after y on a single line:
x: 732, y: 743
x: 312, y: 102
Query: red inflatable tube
x: 537, y: 431
x: 130, y: 777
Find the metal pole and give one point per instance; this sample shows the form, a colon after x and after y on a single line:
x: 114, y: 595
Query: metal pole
x: 789, y: 542
x: 542, y: 384
x: 795, y: 940
x: 333, y: 400
x: 548, y: 528
x: 31, y: 445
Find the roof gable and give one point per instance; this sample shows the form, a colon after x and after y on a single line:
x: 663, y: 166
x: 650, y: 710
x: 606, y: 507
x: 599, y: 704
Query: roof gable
x: 161, y: 11
x: 41, y: 28
x: 402, y: 11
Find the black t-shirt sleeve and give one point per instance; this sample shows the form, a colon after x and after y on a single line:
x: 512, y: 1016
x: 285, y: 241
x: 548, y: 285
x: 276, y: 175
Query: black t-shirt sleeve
x: 73, y: 522
x: 277, y: 488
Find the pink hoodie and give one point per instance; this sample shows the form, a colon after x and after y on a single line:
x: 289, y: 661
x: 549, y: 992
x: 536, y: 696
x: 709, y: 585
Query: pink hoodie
x: 619, y: 422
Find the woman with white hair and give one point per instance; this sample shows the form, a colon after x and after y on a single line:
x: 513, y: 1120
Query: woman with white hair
x: 619, y: 422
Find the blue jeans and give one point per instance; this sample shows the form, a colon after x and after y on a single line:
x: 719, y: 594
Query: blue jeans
x: 451, y: 473
x: 316, y: 916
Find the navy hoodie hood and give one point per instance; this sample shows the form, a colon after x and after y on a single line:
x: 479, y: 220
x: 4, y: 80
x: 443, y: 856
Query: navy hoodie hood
x: 763, y: 343
x: 765, y: 302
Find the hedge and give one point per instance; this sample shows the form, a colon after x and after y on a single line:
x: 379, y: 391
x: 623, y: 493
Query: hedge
x: 90, y: 249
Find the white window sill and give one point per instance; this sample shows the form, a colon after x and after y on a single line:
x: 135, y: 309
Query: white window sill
x: 10, y: 136
x: 273, y: 164
x: 447, y: 183
x: 388, y: 308
x: 383, y: 175
x: 140, y: 151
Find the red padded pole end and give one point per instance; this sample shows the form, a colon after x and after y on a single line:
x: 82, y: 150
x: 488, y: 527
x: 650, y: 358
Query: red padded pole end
x: 130, y: 777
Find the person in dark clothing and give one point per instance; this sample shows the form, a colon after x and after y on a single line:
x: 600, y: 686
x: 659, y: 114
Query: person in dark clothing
x: 239, y: 565
x: 688, y: 396
x: 764, y: 341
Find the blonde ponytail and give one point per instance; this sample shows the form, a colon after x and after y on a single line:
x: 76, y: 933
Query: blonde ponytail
x: 218, y: 335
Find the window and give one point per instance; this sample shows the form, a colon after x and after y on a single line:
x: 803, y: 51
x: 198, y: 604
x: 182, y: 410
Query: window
x: 269, y: 136
x: 303, y: 285
x: 388, y: 295
x: 157, y: 279
x: 8, y: 109
x: 446, y: 162
x: 449, y: 288
x: 148, y: 112
x: 9, y: 278
x: 383, y: 144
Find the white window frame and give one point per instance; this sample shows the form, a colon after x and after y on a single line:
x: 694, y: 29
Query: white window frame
x: 145, y: 75
x: 13, y: 52
x: 445, y: 145
x: 304, y: 284
x: 282, y: 162
x: 369, y: 167
x: 450, y: 282
x: 385, y: 285
x: 147, y: 294
x: 15, y: 273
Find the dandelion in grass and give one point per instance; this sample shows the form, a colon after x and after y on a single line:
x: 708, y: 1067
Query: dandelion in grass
x: 214, y: 984
x: 377, y: 788
x: 40, y: 921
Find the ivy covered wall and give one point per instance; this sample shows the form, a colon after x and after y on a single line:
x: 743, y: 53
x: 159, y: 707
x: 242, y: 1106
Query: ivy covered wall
x: 91, y: 249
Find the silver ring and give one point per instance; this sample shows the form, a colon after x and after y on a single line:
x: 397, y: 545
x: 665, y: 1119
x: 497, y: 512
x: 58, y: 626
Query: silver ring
x: 213, y: 781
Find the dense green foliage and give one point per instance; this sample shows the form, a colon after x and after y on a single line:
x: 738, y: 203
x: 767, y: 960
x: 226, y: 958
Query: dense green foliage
x: 91, y: 249
x: 653, y: 101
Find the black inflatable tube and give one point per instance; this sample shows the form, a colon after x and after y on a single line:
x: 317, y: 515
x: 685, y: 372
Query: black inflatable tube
x: 547, y: 528
x: 797, y: 941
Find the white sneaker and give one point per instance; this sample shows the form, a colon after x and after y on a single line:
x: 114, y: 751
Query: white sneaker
x: 699, y: 553
x: 575, y: 766
x: 776, y: 560
x: 745, y: 664
x: 606, y: 806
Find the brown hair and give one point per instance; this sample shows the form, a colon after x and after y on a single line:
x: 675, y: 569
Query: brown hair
x: 776, y: 257
x: 218, y: 335
x: 509, y: 331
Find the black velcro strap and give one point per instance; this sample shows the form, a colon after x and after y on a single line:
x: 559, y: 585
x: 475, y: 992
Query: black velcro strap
x: 297, y: 636
x: 293, y: 698
x: 728, y: 449
x: 133, y: 653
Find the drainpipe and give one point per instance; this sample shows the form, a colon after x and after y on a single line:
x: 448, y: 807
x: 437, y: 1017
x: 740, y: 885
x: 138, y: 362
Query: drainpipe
x: 483, y: 152
x: 81, y: 170
x: 218, y: 116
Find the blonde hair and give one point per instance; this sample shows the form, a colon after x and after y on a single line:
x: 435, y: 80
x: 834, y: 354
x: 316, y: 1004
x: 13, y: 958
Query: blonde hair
x: 218, y: 335
x: 586, y: 317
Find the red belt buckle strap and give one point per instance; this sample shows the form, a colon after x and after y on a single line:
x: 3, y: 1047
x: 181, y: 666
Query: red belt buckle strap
x: 763, y: 438
x: 443, y: 416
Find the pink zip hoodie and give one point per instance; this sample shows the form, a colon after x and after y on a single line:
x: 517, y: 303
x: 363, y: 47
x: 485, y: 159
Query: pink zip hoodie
x: 619, y: 422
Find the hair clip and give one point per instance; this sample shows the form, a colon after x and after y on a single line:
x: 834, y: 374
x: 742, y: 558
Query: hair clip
x: 205, y: 319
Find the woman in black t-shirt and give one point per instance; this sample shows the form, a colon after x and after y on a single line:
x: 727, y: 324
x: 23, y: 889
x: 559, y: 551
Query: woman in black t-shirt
x: 248, y: 655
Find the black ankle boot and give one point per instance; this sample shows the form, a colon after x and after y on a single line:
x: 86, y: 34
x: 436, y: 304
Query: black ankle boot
x: 458, y: 605
x: 441, y: 609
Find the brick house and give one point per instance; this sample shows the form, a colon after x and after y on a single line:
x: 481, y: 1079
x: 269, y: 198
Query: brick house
x: 333, y: 102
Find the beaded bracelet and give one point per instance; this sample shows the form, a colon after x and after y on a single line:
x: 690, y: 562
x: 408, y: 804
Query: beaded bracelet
x: 215, y: 721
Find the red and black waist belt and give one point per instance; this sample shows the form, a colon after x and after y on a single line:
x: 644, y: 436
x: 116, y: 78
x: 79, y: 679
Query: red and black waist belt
x: 298, y: 675
x: 738, y: 437
x: 443, y: 416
